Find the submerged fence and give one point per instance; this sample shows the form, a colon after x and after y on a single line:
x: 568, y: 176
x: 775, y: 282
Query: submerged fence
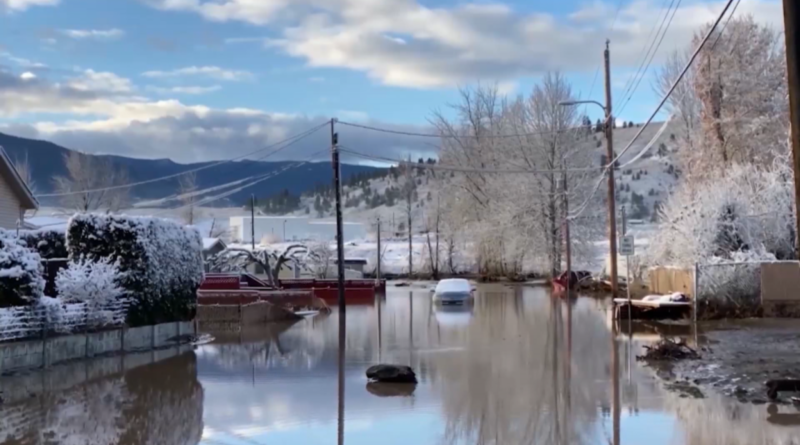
x: 733, y: 287
x: 51, y: 317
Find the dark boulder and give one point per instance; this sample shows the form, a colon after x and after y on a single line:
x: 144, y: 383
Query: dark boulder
x: 392, y: 374
x: 391, y: 389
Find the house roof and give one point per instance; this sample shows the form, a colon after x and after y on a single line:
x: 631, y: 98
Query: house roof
x: 9, y: 173
x: 209, y: 243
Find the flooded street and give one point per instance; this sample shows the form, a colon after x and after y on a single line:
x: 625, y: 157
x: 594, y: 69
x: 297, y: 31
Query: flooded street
x: 517, y: 367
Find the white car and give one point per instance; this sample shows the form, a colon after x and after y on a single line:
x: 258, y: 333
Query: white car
x: 453, y: 291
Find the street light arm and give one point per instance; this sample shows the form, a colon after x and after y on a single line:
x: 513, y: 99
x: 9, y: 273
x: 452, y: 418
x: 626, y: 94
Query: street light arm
x: 570, y: 103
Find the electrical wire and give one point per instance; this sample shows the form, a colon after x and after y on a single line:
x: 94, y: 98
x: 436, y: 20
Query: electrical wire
x: 180, y: 196
x: 463, y: 169
x: 270, y: 175
x: 652, y: 56
x: 674, y: 84
x: 205, y: 167
x: 642, y: 54
x: 638, y: 134
x: 449, y: 136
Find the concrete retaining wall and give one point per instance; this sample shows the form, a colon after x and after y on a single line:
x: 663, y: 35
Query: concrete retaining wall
x: 68, y: 375
x: 43, y: 353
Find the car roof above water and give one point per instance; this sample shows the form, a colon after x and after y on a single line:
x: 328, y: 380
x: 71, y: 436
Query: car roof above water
x: 453, y: 285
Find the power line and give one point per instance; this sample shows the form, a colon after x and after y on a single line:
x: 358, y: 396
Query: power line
x: 463, y: 169
x: 205, y: 167
x: 179, y: 196
x: 652, y: 56
x: 452, y: 136
x: 642, y: 55
x: 654, y: 47
x: 597, y: 70
x: 661, y: 103
x: 263, y: 178
x: 675, y: 83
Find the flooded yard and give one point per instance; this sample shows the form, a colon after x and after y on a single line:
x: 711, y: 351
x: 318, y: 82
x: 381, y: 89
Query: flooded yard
x: 516, y: 367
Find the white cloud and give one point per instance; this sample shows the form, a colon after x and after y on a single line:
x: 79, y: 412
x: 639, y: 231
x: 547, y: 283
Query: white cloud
x: 25, y: 63
x: 102, y: 82
x: 94, y: 34
x: 213, y: 72
x: 405, y: 43
x: 235, y: 40
x: 27, y: 75
x: 21, y: 5
x: 189, y: 90
x: 352, y: 115
x: 104, y: 112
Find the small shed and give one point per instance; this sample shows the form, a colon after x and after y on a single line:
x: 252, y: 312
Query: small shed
x: 212, y: 246
x: 357, y: 264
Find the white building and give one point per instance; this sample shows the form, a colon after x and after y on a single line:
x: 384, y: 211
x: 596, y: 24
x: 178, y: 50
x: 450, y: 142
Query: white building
x: 287, y: 228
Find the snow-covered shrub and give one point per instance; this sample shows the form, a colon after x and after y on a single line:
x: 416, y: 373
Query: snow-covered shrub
x: 52, y: 313
x: 50, y: 243
x: 21, y: 281
x: 161, y: 262
x: 743, y: 209
x: 95, y: 283
x: 728, y: 223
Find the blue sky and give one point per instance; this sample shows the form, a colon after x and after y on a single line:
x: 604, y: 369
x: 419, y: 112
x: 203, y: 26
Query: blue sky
x: 185, y: 78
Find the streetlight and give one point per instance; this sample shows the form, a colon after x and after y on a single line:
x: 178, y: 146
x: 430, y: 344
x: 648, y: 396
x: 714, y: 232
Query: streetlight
x: 612, y: 205
x: 284, y: 230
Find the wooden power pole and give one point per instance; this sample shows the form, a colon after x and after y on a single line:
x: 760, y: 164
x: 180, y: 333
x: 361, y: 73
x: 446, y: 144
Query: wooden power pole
x: 791, y: 20
x: 337, y: 190
x: 612, y: 204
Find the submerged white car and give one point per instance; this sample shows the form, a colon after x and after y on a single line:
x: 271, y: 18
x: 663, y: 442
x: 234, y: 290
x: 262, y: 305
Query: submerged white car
x: 453, y: 291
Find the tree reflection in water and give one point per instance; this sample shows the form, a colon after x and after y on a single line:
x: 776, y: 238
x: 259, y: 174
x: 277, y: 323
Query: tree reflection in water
x: 159, y: 403
x: 511, y: 385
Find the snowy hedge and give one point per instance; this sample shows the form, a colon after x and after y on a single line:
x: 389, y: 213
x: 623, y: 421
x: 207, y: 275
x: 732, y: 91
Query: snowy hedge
x: 50, y: 243
x: 160, y: 262
x: 21, y: 281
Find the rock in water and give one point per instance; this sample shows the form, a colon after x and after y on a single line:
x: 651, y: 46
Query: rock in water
x: 392, y: 374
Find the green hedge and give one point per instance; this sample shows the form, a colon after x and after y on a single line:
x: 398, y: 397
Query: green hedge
x: 21, y: 281
x: 161, y: 262
x: 50, y: 243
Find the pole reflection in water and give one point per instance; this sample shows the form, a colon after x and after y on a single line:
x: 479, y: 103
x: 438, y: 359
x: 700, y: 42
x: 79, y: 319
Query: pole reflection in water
x: 616, y: 408
x: 340, y: 370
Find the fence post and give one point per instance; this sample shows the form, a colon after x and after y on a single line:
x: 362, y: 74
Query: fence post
x: 44, y: 339
x: 695, y: 297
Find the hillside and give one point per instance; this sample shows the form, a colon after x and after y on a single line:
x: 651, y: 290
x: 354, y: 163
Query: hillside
x: 46, y: 161
x: 641, y: 186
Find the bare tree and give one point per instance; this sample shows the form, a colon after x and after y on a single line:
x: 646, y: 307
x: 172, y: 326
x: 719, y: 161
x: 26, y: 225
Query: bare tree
x: 238, y: 259
x: 218, y: 231
x: 188, y: 187
x: 23, y: 168
x: 513, y: 218
x: 92, y: 184
x: 321, y: 255
x: 432, y: 223
x: 733, y: 104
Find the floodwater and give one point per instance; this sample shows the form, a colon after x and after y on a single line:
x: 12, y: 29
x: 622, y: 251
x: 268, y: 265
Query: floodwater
x: 517, y: 367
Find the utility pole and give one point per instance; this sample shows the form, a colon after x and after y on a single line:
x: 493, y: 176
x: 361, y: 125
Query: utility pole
x: 253, y: 221
x: 791, y: 21
x: 612, y: 205
x: 378, y: 268
x: 339, y: 236
x: 567, y: 240
x: 409, y: 195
